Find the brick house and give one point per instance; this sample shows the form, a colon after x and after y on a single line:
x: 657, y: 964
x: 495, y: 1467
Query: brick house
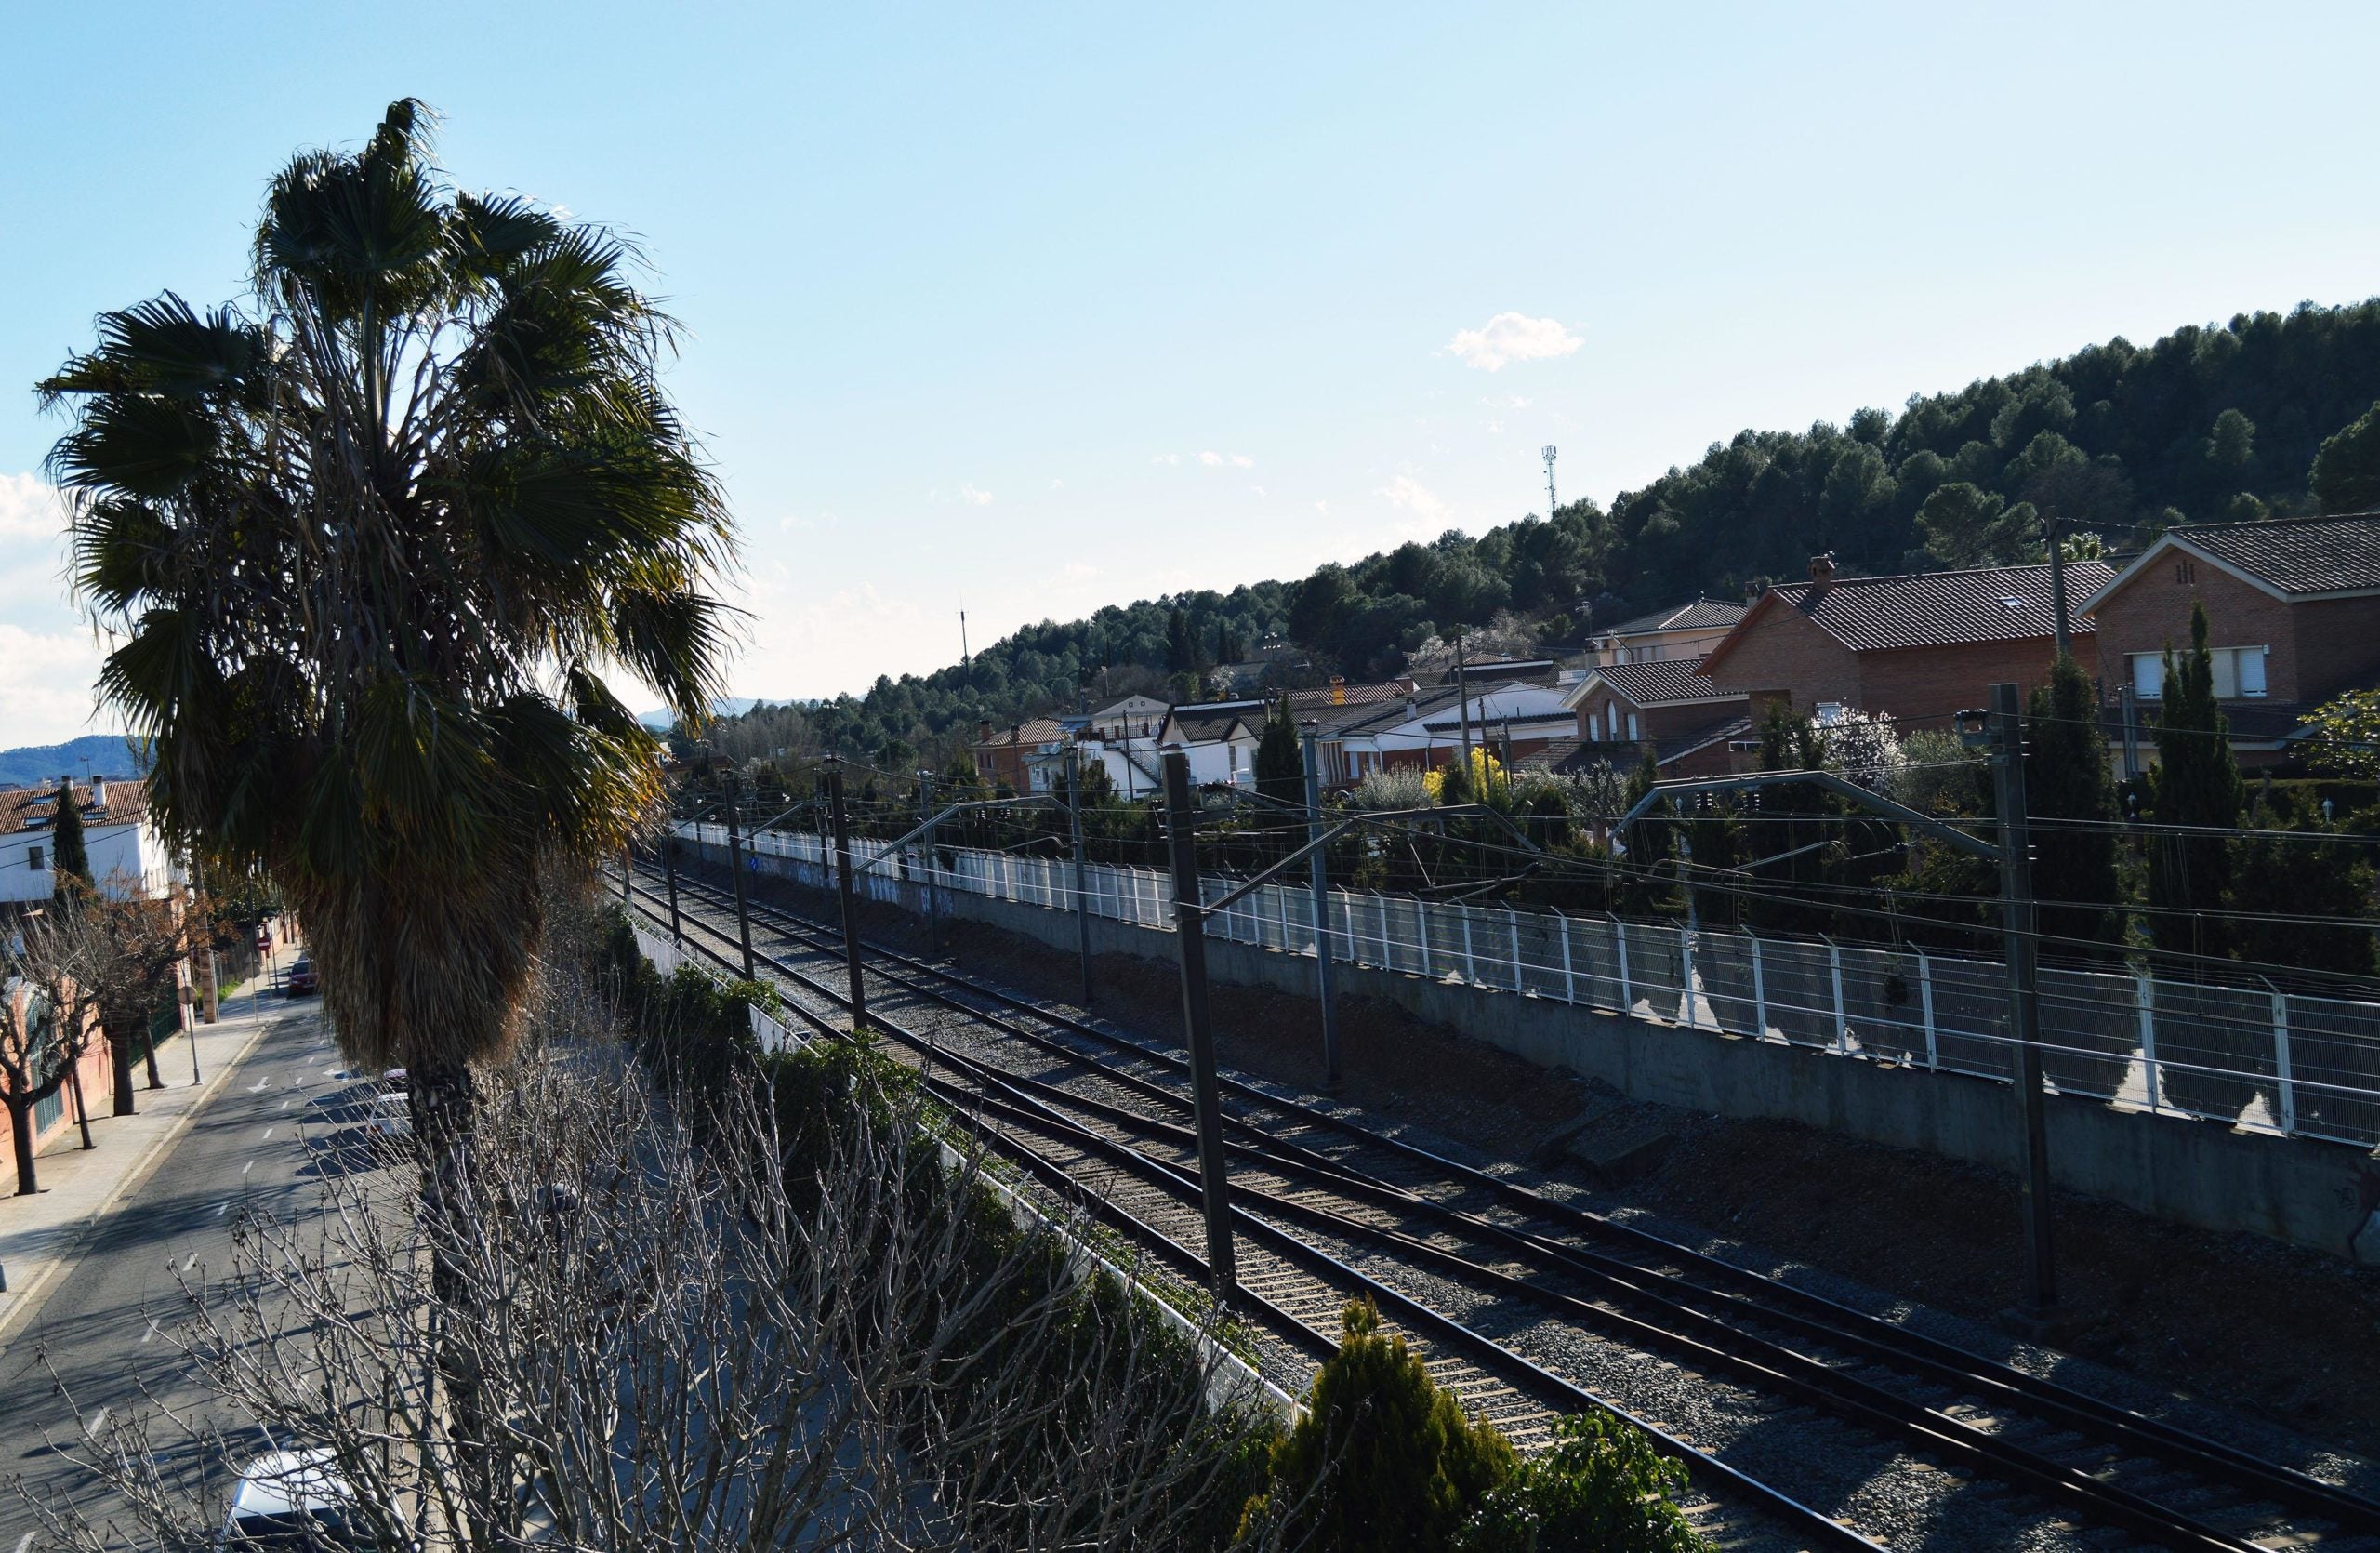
x: 1018, y: 755
x: 1666, y: 705
x: 2293, y: 613
x: 1687, y: 630
x: 1918, y: 647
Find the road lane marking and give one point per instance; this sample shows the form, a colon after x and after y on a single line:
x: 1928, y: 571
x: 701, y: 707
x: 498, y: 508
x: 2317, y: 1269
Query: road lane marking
x: 221, y: 1208
x: 285, y: 1104
x: 193, y: 1255
x: 259, y: 1087
x: 249, y: 1166
x: 99, y: 1421
x: 152, y: 1330
x: 24, y: 1542
x: 268, y: 1132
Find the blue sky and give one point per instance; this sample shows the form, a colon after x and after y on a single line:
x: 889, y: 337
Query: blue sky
x: 1029, y: 309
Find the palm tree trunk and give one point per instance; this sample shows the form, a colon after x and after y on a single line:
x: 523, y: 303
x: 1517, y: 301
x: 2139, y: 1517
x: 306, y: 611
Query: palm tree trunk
x: 444, y: 1107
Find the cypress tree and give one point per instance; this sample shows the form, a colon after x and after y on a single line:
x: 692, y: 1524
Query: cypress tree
x: 2313, y: 871
x: 2197, y: 787
x: 69, y: 861
x: 1280, y: 758
x: 2067, y: 779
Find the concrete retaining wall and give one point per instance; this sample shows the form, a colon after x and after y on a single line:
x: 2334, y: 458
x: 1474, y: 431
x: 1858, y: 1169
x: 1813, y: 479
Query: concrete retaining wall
x: 2305, y: 1192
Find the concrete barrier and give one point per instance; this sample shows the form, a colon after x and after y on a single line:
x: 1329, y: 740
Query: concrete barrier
x: 2302, y: 1191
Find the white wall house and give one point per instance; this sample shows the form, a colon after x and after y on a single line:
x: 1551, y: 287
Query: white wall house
x: 127, y: 853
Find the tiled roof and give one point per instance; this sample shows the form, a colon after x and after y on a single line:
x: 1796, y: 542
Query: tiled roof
x: 1937, y: 609
x: 1354, y: 694
x: 1040, y: 730
x: 1657, y: 683
x: 1453, y: 725
x: 2298, y: 555
x: 1579, y: 757
x: 1698, y: 615
x: 37, y: 806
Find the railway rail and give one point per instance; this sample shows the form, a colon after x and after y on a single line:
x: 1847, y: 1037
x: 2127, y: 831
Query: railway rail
x: 1330, y: 1206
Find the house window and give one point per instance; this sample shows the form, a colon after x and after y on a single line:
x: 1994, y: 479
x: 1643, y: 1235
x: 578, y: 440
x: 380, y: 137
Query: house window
x: 2186, y: 571
x: 2238, y: 673
x: 33, y: 858
x: 1633, y: 734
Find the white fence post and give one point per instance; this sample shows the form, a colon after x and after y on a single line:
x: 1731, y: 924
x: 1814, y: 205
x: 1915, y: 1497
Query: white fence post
x: 1842, y: 1021
x: 1520, y: 983
x: 1686, y: 970
x: 1619, y: 939
x: 1469, y: 965
x: 1925, y: 1003
x: 2144, y: 997
x: 1759, y: 989
x: 2281, y: 1057
x: 1569, y: 979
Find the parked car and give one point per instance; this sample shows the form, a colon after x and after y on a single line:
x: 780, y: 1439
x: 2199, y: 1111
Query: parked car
x: 389, y: 1125
x: 301, y: 982
x: 293, y: 1499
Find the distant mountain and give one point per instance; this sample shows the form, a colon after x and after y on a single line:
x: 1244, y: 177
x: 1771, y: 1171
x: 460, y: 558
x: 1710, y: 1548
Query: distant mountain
x: 726, y: 706
x: 33, y: 764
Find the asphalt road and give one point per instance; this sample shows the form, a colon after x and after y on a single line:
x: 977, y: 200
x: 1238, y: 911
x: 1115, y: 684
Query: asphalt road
x: 285, y: 1116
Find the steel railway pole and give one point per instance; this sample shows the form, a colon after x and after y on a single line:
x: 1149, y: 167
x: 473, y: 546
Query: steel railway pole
x: 933, y: 862
x: 843, y: 890
x: 735, y: 868
x: 1190, y: 942
x: 1082, y: 874
x: 1311, y: 734
x: 2038, y: 1310
x: 669, y: 873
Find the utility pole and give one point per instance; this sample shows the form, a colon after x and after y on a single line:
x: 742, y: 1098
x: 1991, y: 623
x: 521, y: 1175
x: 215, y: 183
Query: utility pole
x: 2129, y: 699
x: 2038, y: 1309
x: 669, y: 873
x: 214, y: 983
x: 735, y: 868
x: 2057, y: 585
x: 1551, y: 506
x: 1206, y: 1094
x: 933, y: 858
x: 1462, y: 698
x: 966, y: 661
x: 1312, y: 732
x: 844, y: 889
x: 1082, y: 872
x: 627, y: 872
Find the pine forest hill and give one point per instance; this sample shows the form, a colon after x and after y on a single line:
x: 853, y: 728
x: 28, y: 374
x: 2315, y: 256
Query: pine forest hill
x: 2120, y: 441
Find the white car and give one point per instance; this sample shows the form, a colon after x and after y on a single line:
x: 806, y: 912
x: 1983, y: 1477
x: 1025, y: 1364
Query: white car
x: 390, y: 1121
x: 293, y: 1499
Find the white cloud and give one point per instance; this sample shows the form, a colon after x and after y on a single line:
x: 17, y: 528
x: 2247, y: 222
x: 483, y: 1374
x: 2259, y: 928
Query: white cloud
x: 1415, y: 497
x: 1241, y: 460
x: 973, y: 496
x: 1323, y: 507
x: 1512, y: 336
x: 1056, y: 484
x: 1210, y: 459
x: 30, y: 508
x: 1165, y: 458
x: 1259, y: 490
x: 45, y: 680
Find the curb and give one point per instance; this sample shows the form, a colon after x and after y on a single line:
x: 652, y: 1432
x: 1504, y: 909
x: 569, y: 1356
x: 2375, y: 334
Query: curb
x: 29, y: 1301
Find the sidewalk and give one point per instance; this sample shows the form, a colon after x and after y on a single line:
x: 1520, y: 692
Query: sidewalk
x: 40, y: 1235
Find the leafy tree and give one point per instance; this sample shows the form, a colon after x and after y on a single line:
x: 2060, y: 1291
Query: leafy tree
x: 1965, y: 526
x: 2067, y: 784
x: 1280, y: 758
x: 2346, y: 738
x: 1601, y: 1488
x: 370, y: 548
x: 2196, y: 792
x: 1381, y: 1458
x: 69, y: 858
x: 51, y: 965
x: 1182, y: 654
x: 2230, y: 443
x: 2302, y: 891
x: 2345, y: 476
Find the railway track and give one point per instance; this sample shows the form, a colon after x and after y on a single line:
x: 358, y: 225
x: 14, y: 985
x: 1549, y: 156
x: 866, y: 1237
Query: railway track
x: 1520, y: 1300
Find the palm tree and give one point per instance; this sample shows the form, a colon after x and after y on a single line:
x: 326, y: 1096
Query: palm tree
x: 369, y: 547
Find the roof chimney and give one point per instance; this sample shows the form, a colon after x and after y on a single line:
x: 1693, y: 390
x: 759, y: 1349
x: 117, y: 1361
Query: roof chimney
x: 99, y: 791
x: 1822, y: 569
x: 984, y: 731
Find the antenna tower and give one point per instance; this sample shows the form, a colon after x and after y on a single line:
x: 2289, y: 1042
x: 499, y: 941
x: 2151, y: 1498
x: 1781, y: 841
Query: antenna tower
x: 1550, y: 504
x: 966, y: 661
